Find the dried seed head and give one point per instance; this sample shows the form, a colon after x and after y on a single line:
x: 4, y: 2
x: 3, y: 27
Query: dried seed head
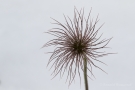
x: 75, y: 40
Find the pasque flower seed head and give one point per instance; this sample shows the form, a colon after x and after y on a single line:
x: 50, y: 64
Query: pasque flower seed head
x: 76, y: 40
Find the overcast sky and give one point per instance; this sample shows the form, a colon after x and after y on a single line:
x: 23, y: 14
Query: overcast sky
x: 23, y: 62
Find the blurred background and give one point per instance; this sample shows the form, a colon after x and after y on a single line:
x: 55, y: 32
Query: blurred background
x: 23, y: 61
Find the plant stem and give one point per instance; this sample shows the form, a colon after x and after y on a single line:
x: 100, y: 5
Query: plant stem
x: 85, y: 74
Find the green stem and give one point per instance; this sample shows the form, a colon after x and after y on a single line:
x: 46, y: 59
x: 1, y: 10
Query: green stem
x: 85, y: 74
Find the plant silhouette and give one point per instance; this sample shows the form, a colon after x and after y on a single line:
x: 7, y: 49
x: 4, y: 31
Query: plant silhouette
x: 77, y: 46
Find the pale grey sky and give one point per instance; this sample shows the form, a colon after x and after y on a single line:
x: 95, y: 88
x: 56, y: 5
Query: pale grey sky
x: 23, y: 63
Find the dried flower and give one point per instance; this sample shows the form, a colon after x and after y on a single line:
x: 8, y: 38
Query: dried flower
x: 76, y: 40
